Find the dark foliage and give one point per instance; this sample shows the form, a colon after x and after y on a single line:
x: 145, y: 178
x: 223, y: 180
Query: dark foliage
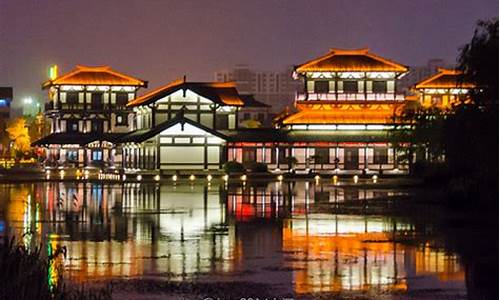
x: 256, y: 167
x: 233, y: 167
x: 458, y: 148
x: 25, y: 275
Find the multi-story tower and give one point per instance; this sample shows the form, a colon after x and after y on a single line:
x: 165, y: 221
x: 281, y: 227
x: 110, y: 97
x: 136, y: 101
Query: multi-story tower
x: 87, y: 109
x: 341, y: 121
x: 351, y: 93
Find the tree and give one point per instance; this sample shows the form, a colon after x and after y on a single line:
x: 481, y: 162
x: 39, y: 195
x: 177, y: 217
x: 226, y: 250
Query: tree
x: 472, y: 130
x: 479, y: 62
x: 19, y: 136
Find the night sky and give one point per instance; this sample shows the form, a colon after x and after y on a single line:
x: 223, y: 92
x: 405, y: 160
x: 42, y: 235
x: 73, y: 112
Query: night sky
x: 162, y: 40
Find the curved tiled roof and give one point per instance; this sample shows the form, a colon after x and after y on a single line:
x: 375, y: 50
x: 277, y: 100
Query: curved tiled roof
x: 223, y: 93
x: 358, y: 60
x: 104, y: 75
x: 444, y: 78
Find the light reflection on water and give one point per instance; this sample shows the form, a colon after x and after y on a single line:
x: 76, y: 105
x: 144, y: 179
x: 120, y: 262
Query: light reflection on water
x: 290, y: 235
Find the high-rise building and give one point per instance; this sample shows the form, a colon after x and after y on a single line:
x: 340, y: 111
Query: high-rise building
x: 6, y: 95
x: 276, y: 89
x: 419, y: 73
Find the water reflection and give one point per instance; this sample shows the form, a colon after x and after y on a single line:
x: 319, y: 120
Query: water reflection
x: 291, y: 235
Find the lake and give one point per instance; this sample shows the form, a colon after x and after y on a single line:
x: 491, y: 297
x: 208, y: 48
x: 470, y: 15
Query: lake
x: 303, y: 239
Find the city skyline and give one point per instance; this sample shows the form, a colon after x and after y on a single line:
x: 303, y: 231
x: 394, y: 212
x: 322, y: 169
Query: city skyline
x: 156, y: 43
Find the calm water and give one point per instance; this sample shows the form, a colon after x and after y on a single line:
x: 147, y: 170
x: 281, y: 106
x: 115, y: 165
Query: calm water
x: 301, y: 237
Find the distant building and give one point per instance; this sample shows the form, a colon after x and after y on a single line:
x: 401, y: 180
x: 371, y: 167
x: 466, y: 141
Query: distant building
x: 419, y: 73
x: 443, y: 89
x: 6, y: 95
x: 276, y: 89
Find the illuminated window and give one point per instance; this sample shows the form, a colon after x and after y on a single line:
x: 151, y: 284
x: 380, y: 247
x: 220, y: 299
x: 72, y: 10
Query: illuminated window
x: 350, y: 87
x: 121, y: 119
x: 436, y: 100
x: 72, y: 155
x: 380, y: 87
x: 249, y: 155
x: 380, y: 156
x: 97, y: 155
x: 321, y: 87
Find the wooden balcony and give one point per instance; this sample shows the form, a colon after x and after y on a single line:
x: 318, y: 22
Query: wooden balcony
x: 349, y: 97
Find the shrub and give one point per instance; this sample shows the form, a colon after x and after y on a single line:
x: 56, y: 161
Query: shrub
x: 257, y: 167
x: 26, y: 274
x: 233, y: 167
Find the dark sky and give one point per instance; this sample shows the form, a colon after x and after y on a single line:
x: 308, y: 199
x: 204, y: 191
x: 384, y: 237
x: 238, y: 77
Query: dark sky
x: 161, y: 40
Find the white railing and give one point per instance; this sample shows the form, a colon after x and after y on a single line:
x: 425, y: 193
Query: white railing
x: 349, y: 97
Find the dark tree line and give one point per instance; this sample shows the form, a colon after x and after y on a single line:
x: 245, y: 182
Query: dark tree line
x: 459, y: 146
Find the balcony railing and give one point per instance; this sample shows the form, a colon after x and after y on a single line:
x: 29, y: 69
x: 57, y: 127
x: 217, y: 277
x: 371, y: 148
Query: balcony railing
x: 80, y: 106
x: 350, y: 97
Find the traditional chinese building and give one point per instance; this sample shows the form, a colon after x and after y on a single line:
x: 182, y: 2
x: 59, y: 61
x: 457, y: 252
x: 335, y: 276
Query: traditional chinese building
x: 87, y: 109
x: 443, y: 89
x: 339, y: 124
x: 183, y: 125
x: 341, y: 121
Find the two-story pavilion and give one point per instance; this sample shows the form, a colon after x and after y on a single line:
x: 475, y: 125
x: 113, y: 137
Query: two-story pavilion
x: 87, y: 109
x: 443, y: 89
x: 183, y: 125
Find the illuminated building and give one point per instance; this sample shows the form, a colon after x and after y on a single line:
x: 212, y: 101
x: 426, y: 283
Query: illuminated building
x: 342, y: 118
x: 443, y: 89
x: 183, y: 125
x: 340, y: 122
x: 87, y: 109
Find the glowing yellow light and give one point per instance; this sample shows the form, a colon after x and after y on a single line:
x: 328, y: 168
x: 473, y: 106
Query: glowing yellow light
x: 53, y: 72
x: 374, y: 178
x: 157, y: 177
x: 355, y: 178
x: 243, y: 177
x: 317, y: 177
x: 174, y: 177
x: 192, y: 177
x: 209, y: 177
x: 47, y: 172
x: 61, y: 174
x: 335, y: 179
x: 280, y: 177
x: 225, y: 177
x: 139, y: 177
x: 124, y: 177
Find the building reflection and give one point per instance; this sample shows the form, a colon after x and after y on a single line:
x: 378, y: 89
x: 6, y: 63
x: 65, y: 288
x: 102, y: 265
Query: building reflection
x: 329, y: 252
x: 189, y: 230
